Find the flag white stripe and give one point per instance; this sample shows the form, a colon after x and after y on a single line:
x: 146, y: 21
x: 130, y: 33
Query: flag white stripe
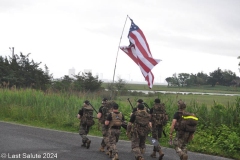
x: 141, y: 57
x: 142, y: 42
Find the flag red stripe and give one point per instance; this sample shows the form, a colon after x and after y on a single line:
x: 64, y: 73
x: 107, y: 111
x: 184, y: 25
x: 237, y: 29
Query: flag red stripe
x: 149, y: 77
x: 142, y: 50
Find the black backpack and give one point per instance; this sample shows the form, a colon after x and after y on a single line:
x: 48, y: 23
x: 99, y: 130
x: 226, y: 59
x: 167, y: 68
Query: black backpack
x: 106, y: 110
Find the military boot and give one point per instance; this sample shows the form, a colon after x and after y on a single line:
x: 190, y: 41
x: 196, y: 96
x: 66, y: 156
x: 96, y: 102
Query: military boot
x: 115, y: 157
x: 88, y: 144
x: 101, y: 149
x: 184, y: 157
x: 140, y: 158
x: 84, y: 145
x: 110, y: 154
x: 142, y: 150
x: 153, y: 155
x: 107, y: 151
x: 160, y: 155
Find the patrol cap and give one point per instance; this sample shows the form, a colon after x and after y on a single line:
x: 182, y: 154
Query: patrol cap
x: 115, y: 106
x: 86, y: 102
x: 157, y: 100
x: 140, y: 101
x: 140, y: 106
x: 104, y: 99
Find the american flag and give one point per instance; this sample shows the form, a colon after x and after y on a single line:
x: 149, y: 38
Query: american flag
x: 139, y: 52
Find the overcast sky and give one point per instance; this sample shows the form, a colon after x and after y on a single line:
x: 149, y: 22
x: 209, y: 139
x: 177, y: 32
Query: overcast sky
x: 189, y: 36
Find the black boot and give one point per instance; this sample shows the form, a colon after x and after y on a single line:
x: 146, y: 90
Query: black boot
x: 88, y: 144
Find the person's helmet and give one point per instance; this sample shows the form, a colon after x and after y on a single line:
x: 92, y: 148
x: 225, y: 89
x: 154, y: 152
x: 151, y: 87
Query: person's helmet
x: 115, y: 106
x: 140, y: 101
x: 87, y: 102
x: 104, y: 100
x: 181, y: 105
x: 157, y: 100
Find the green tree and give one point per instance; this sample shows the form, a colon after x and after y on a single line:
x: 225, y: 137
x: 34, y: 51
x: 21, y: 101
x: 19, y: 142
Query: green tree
x: 183, y: 77
x: 202, y: 78
x: 169, y: 80
x: 87, y: 82
x: 191, y: 80
x: 215, y: 77
x: 20, y: 72
x: 63, y: 84
x: 175, y: 80
x: 228, y: 77
x: 120, y: 84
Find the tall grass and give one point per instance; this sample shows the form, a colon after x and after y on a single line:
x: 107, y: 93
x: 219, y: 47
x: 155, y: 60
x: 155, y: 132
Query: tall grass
x: 218, y: 131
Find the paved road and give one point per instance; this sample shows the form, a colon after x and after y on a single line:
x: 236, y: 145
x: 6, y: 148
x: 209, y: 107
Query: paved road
x: 25, y: 142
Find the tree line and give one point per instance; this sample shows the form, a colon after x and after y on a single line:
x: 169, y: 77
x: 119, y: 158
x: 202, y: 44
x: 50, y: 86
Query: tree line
x: 217, y: 77
x: 21, y: 72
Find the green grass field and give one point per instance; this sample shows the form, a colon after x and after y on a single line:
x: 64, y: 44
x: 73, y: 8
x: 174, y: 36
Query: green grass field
x: 203, y: 89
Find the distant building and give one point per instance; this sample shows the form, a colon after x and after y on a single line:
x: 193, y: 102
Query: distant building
x: 71, y: 72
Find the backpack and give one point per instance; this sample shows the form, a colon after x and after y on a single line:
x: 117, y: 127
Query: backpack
x: 87, y: 118
x: 188, y: 122
x: 106, y: 110
x: 159, y: 116
x: 101, y: 119
x: 141, y: 122
x: 116, y: 119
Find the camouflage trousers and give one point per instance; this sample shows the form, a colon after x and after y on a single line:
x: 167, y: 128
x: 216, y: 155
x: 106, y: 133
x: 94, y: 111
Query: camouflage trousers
x: 83, y: 131
x: 105, y: 140
x: 157, y: 134
x: 113, y: 139
x: 138, y: 144
x: 180, y: 143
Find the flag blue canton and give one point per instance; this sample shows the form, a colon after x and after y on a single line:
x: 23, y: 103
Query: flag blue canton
x: 133, y: 26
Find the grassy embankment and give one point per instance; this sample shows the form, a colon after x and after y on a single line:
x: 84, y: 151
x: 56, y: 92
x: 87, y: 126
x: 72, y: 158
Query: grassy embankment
x: 202, y: 89
x: 218, y: 132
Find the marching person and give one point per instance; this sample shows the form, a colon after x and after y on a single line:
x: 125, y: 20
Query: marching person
x: 159, y: 119
x: 139, y: 101
x: 102, y: 122
x: 114, y: 121
x: 102, y: 115
x: 138, y: 127
x: 182, y: 137
x: 85, y: 115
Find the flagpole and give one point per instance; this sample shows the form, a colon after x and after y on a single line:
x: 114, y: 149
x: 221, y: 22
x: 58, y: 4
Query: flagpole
x: 118, y: 51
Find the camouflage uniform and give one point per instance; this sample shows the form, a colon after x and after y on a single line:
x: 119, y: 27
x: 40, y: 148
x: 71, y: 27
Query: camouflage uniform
x: 104, y: 129
x: 139, y: 101
x: 139, y: 131
x: 182, y: 138
x: 83, y: 127
x: 180, y: 143
x: 114, y: 120
x: 159, y: 119
x: 105, y: 110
